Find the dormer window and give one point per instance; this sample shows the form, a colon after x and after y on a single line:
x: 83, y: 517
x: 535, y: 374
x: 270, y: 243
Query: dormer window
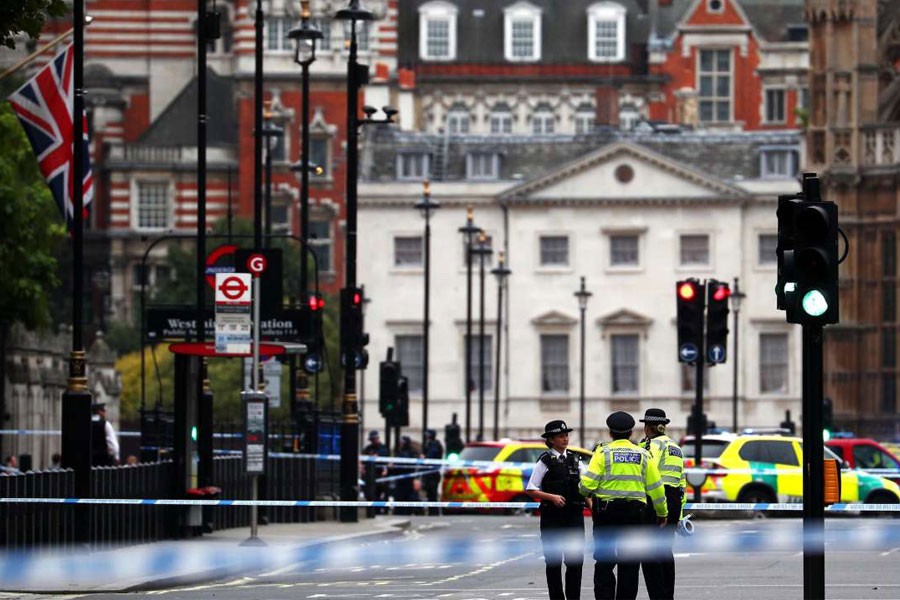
x: 437, y: 31
x: 522, y: 32
x: 606, y: 32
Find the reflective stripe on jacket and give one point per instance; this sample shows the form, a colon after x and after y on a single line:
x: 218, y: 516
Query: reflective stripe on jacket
x: 622, y: 470
x: 669, y: 460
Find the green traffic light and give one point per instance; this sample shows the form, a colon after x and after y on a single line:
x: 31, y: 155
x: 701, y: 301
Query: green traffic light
x: 194, y: 433
x: 814, y: 303
x: 826, y: 435
x: 452, y: 457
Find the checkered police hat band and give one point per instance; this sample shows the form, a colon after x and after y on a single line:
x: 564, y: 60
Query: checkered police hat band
x: 652, y: 419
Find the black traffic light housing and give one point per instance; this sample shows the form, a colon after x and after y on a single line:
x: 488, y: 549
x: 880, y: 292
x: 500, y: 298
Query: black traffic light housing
x: 453, y: 442
x: 388, y: 386
x: 784, y: 251
x: 717, y: 294
x: 827, y: 414
x: 353, y: 339
x: 690, y: 298
x: 311, y: 315
x: 400, y: 415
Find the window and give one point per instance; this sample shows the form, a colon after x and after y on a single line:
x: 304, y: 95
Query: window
x: 522, y: 32
x: 584, y: 119
x: 803, y: 98
x: 458, y: 119
x: 543, y: 121
x: 276, y: 34
x: 778, y: 162
x: 606, y: 32
x: 281, y: 217
x: 410, y: 350
x: 624, y: 363
x: 276, y: 144
x: 437, y: 31
x: 362, y: 35
x: 715, y: 86
x: 140, y: 275
x: 629, y: 117
x: 486, y: 369
x: 773, y: 363
x: 889, y: 393
x: 408, y: 251
x: 694, y: 250
x: 319, y: 155
x: 413, y: 165
x: 689, y: 378
x: 323, y: 25
x: 770, y: 451
x: 775, y: 101
x: 870, y: 457
x: 888, y: 302
x: 501, y: 119
x: 554, y: 363
x: 888, y: 254
x: 320, y: 244
x: 623, y: 250
x: 153, y: 205
x: 888, y: 348
x: 768, y: 242
x: 554, y: 251
x: 482, y: 165
x: 525, y: 455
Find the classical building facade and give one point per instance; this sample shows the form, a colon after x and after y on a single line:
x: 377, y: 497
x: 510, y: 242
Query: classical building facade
x: 853, y: 140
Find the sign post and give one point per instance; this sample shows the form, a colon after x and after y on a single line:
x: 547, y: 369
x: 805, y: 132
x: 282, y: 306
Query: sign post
x: 255, y: 409
x: 233, y: 323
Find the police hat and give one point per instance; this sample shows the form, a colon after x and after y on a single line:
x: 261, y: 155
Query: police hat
x: 374, y: 434
x: 620, y: 422
x: 654, y: 416
x: 555, y: 427
x: 430, y: 433
x: 98, y: 406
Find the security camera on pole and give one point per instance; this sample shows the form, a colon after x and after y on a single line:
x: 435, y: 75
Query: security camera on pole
x: 807, y: 289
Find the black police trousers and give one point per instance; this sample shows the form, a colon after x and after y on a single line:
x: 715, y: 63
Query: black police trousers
x: 562, y: 538
x: 659, y: 574
x: 610, y: 520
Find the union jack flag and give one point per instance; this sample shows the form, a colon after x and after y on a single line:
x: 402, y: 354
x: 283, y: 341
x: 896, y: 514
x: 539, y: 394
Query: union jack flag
x: 44, y: 107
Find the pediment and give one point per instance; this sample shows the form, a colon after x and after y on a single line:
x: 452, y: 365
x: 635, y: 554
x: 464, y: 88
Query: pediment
x: 554, y: 318
x: 624, y: 318
x: 623, y: 171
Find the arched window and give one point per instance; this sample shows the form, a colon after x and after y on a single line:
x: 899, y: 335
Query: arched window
x: 585, y: 117
x: 522, y: 32
x: 543, y: 120
x: 606, y: 32
x: 501, y: 118
x: 458, y: 119
x: 437, y: 31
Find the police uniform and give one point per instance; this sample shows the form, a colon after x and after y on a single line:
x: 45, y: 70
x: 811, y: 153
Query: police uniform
x: 559, y: 474
x: 621, y: 477
x: 659, y: 575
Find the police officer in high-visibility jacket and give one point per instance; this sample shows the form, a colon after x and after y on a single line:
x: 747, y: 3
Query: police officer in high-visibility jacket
x: 659, y: 574
x: 620, y: 478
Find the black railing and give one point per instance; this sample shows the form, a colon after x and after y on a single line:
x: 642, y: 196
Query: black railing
x: 34, y: 525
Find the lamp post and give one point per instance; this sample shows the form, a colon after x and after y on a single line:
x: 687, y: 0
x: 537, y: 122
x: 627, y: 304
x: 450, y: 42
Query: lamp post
x: 426, y: 206
x: 501, y: 272
x: 269, y: 131
x: 469, y: 230
x: 357, y: 76
x: 583, y: 296
x: 483, y: 250
x: 736, y: 297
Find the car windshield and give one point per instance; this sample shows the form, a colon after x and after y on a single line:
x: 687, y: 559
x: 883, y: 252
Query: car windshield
x: 711, y: 449
x: 829, y: 453
x: 479, y: 453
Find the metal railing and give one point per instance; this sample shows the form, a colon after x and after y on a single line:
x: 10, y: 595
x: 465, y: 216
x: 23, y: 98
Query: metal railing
x: 36, y: 525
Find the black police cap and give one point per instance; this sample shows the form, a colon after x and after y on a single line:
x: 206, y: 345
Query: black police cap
x: 620, y: 422
x: 555, y: 427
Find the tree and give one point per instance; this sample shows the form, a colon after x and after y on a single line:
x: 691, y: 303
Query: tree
x: 28, y: 16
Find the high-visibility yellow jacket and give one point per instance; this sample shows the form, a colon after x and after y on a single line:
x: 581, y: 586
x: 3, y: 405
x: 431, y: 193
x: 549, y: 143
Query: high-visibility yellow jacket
x: 622, y: 470
x: 669, y: 460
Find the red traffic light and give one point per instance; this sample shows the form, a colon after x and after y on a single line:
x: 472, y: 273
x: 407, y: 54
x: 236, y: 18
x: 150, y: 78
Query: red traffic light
x: 721, y: 293
x: 357, y: 298
x: 316, y: 303
x: 687, y: 291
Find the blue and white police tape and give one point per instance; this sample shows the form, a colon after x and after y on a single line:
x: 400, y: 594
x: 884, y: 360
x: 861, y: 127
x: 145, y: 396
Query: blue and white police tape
x: 49, y: 570
x: 701, y: 506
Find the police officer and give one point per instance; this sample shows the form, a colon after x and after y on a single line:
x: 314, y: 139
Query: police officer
x: 431, y: 480
x: 659, y: 575
x: 620, y: 477
x: 554, y: 481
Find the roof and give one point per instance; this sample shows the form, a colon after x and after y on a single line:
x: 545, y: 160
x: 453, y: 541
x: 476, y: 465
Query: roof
x: 176, y: 125
x: 774, y: 20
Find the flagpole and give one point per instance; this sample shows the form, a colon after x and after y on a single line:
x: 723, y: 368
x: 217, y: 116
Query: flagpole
x: 76, y: 400
x: 25, y: 61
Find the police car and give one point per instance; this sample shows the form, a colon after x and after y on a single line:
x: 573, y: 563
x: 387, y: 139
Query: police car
x: 501, y: 483
x: 767, y: 468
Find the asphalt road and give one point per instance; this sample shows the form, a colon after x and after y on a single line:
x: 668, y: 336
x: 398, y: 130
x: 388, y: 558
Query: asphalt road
x: 415, y: 567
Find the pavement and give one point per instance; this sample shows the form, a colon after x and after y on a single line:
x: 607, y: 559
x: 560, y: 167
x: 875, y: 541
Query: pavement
x: 186, y: 562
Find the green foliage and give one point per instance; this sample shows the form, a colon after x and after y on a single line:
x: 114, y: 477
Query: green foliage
x: 123, y: 337
x: 27, y: 16
x: 30, y: 230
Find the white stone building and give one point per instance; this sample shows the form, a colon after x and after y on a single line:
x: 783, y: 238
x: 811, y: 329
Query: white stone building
x: 633, y: 216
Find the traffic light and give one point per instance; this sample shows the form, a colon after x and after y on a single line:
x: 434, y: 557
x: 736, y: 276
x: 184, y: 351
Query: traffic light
x: 717, y: 294
x: 784, y: 251
x: 311, y: 333
x: 400, y: 415
x: 827, y: 418
x: 453, y: 441
x: 388, y: 386
x: 689, y: 294
x: 353, y: 340
x: 814, y: 298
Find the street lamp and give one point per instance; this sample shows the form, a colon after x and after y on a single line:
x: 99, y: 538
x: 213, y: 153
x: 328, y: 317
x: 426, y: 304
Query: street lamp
x: 583, y: 296
x: 426, y: 206
x: 357, y: 75
x: 469, y: 230
x: 269, y: 130
x: 501, y: 272
x: 736, y: 297
x: 483, y: 250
